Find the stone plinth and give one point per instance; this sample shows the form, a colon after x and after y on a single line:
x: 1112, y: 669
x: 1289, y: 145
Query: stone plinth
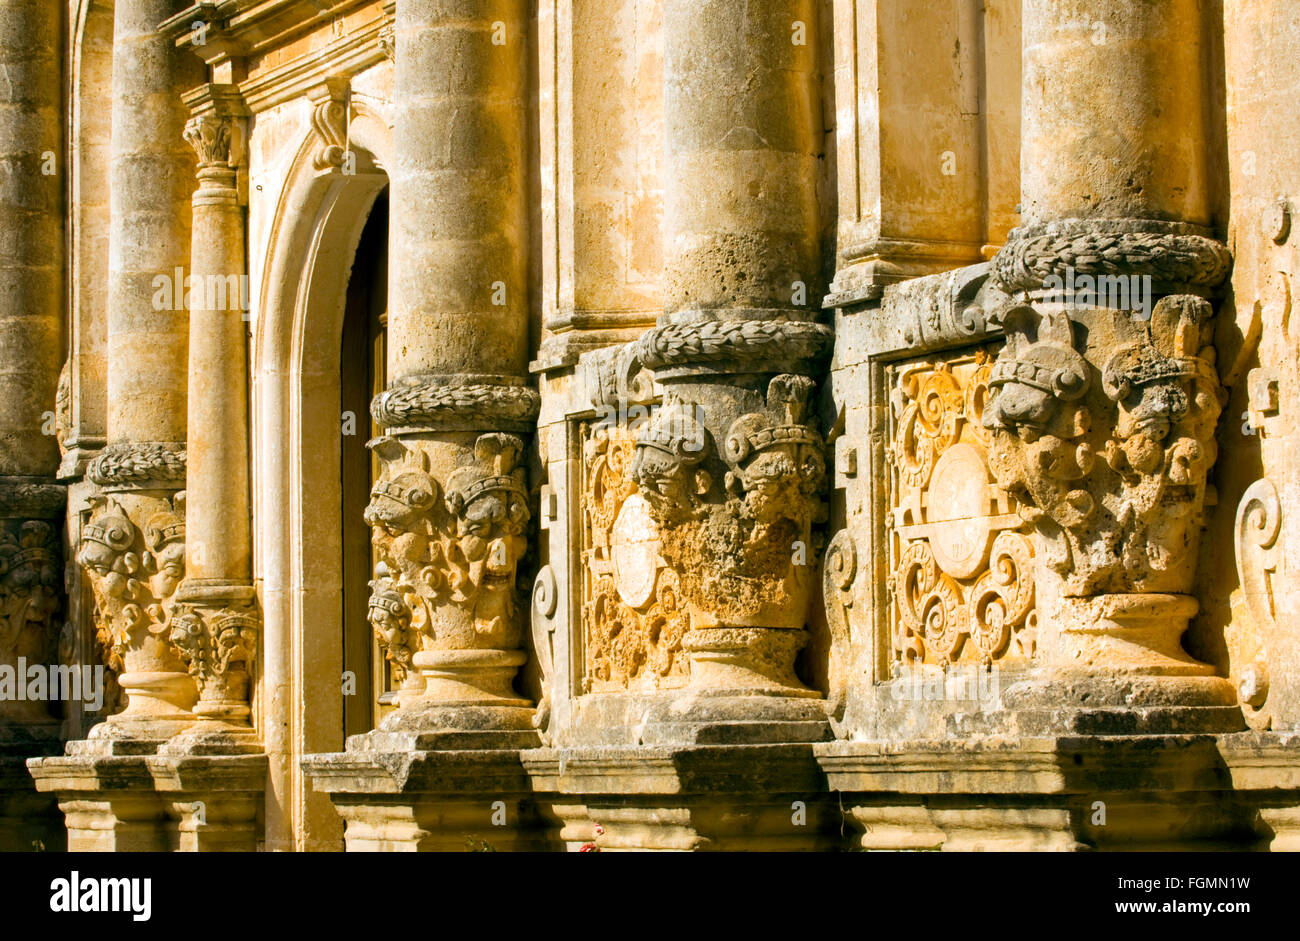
x: 742, y: 797
x: 115, y: 802
x: 1156, y: 792
x: 415, y: 800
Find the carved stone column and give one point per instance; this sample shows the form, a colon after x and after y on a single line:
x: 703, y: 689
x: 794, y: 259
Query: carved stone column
x: 451, y: 510
x: 1104, y: 401
x: 731, y: 465
x: 134, y: 546
x: 31, y: 322
x: 217, y: 625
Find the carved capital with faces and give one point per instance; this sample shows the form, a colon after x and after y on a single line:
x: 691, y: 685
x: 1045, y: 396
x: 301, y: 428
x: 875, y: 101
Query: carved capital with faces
x: 736, y: 523
x: 30, y: 600
x: 135, y: 560
x: 1107, y: 448
x: 450, y: 549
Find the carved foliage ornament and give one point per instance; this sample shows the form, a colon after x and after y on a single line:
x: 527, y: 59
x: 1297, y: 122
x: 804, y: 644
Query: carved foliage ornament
x: 435, y: 402
x: 1171, y: 254
x: 134, y: 464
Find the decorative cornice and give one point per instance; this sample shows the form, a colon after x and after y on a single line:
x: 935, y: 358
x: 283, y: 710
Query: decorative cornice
x: 1174, y: 255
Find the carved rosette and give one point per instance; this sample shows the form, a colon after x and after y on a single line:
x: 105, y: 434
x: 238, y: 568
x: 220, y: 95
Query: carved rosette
x: 30, y: 600
x: 1106, y: 445
x: 961, y: 558
x: 135, y: 569
x: 632, y: 614
x: 450, y: 550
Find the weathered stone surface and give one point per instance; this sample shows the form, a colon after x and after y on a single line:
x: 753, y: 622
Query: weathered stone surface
x: 889, y: 404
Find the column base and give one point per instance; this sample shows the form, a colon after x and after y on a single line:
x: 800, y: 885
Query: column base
x: 437, y: 726
x: 213, y: 737
x: 728, y: 798
x: 737, y: 717
x: 1140, y: 793
x: 433, y: 801
x: 1127, y: 634
x: 1053, y: 702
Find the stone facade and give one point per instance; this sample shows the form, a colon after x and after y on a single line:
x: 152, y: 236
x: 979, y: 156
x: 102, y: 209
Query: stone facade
x: 648, y: 424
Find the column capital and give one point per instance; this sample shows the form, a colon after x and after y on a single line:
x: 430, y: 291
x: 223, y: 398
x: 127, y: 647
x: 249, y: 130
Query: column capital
x: 215, y: 129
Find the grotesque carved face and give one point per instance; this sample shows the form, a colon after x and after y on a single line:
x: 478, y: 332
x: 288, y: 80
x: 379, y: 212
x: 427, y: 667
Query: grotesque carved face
x: 111, y: 567
x: 490, y: 540
x: 169, y: 564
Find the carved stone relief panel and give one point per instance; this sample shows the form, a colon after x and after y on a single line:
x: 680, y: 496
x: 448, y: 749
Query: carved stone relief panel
x: 960, y: 555
x: 633, y: 619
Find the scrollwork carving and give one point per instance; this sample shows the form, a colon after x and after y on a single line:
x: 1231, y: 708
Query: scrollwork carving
x: 961, y: 576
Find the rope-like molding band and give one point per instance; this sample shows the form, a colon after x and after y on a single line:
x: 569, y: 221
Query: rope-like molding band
x: 738, y: 341
x: 443, y: 403
x: 136, y: 463
x: 1172, y: 254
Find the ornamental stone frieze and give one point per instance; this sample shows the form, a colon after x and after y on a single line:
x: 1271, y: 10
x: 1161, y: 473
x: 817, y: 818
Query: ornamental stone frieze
x: 962, y: 563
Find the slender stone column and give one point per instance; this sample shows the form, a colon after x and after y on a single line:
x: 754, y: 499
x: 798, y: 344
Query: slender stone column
x: 218, y: 625
x: 134, y: 545
x: 732, y: 465
x: 1105, y: 399
x: 31, y: 320
x: 450, y: 513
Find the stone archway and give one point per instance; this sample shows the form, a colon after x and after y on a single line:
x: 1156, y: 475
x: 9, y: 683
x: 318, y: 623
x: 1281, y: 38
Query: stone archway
x: 298, y: 526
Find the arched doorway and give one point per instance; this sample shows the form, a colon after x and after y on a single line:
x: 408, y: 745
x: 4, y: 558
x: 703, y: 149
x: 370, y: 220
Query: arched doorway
x: 324, y: 244
x: 362, y: 377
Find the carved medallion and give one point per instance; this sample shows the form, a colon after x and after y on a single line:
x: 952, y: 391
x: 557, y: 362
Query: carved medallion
x: 961, y: 561
x: 633, y: 620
